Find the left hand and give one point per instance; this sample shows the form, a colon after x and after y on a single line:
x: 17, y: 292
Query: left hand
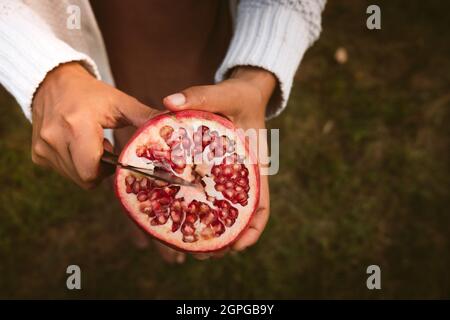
x: 242, y: 98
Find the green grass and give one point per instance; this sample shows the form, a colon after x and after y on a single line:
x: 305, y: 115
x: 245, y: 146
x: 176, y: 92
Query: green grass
x: 364, y: 179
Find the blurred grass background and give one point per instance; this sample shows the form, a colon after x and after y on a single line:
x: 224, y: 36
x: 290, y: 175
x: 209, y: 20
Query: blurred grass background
x: 364, y: 179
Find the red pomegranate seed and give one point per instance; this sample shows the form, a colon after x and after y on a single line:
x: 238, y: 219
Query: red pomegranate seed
x: 233, y: 213
x: 129, y: 180
x: 229, y: 193
x: 227, y: 171
x: 136, y: 187
x: 219, y: 187
x: 176, y: 216
x: 128, y: 189
x: 244, y: 172
x: 142, y: 196
x: 147, y: 209
x: 187, y: 229
x: 242, y: 182
x: 228, y: 222
x: 191, y: 217
x: 141, y: 151
x: 160, y: 183
x: 176, y: 205
x: 175, y: 226
x: 190, y: 238
x: 164, y: 201
x: 208, y: 218
x: 218, y: 227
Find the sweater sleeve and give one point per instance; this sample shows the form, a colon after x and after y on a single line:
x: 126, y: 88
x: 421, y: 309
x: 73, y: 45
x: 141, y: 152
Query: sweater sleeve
x: 29, y: 50
x: 273, y: 35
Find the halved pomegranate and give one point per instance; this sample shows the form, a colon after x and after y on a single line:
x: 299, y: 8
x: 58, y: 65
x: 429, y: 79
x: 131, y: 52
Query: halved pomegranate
x: 199, y: 147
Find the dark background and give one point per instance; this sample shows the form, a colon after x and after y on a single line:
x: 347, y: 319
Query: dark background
x: 364, y: 179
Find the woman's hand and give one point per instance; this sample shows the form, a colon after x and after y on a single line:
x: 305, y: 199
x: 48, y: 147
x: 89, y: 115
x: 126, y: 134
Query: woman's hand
x: 243, y: 99
x: 70, y: 110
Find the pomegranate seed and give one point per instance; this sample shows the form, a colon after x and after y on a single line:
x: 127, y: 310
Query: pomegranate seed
x: 176, y: 205
x: 187, y: 229
x: 218, y: 227
x: 164, y: 201
x: 142, y: 196
x: 146, y: 208
x: 166, y: 132
x: 141, y: 151
x: 228, y: 222
x: 179, y: 162
x: 129, y: 180
x: 191, y: 217
x: 238, y: 188
x: 128, y: 189
x: 229, y: 193
x: 224, y: 213
x: 175, y: 226
x: 136, y: 187
x: 204, y: 208
x: 162, y: 219
x: 241, y: 196
x: 233, y: 213
x: 244, y: 172
x: 145, y: 183
x: 208, y: 218
x: 190, y: 238
x: 229, y: 185
x: 176, y: 216
x: 242, y: 182
x: 160, y: 183
x: 227, y: 171
x: 219, y: 187
x: 155, y: 205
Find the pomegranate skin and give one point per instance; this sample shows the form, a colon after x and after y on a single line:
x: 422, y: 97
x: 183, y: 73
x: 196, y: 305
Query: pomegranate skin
x: 204, y: 247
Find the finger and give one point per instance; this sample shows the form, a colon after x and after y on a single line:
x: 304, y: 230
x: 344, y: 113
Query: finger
x: 133, y: 112
x: 45, y: 156
x: 212, y: 98
x: 86, y: 149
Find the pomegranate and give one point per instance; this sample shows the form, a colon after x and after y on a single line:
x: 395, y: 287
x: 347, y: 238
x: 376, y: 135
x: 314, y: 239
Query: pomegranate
x: 202, y: 148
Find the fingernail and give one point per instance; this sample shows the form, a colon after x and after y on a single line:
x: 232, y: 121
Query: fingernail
x: 177, y: 99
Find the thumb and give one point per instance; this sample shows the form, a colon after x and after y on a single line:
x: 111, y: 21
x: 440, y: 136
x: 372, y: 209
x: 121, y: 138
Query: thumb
x: 212, y: 98
x: 133, y: 112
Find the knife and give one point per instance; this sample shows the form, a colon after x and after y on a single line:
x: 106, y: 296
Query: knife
x: 113, y: 159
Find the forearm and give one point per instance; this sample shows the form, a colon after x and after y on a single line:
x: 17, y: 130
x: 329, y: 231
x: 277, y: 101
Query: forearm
x: 29, y: 50
x: 273, y: 35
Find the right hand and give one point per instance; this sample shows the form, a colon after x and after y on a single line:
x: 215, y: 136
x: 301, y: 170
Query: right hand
x: 70, y: 110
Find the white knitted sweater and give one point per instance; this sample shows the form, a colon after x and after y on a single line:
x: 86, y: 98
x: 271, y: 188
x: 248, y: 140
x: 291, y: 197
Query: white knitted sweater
x: 34, y: 39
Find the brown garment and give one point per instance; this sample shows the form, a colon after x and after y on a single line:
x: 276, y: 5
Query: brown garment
x: 159, y: 47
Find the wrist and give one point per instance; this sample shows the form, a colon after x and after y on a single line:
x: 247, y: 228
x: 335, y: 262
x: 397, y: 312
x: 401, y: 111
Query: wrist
x: 262, y: 80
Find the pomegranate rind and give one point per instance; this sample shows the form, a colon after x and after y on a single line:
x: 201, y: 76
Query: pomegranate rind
x: 162, y: 235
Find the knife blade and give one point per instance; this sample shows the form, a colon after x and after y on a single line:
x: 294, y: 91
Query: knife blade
x: 113, y: 159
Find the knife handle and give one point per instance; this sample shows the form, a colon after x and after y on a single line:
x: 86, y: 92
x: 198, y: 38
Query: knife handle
x: 110, y: 158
